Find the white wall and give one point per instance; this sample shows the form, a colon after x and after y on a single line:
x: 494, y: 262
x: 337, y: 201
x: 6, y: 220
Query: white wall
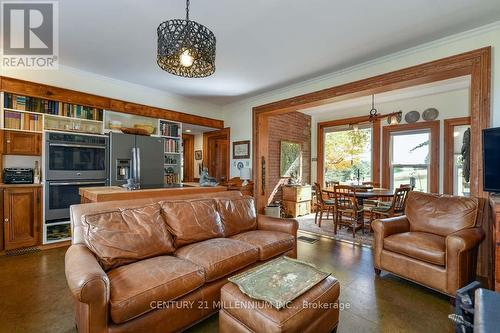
x: 71, y: 78
x: 451, y: 104
x: 238, y: 115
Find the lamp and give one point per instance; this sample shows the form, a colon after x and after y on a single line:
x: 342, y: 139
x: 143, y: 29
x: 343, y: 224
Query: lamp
x: 186, y: 48
x: 392, y: 118
x: 245, y: 175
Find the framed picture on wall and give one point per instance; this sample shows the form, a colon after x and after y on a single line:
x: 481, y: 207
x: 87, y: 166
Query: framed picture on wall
x: 241, y: 149
x: 198, y: 155
x: 290, y: 159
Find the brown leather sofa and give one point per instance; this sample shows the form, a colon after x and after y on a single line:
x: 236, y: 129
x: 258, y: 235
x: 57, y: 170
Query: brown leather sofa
x: 158, y: 265
x: 434, y: 244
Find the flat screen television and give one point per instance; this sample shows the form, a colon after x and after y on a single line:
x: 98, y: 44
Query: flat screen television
x: 491, y: 159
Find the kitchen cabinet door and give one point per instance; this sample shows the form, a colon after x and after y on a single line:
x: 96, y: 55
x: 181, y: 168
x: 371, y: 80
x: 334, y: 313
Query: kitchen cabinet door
x: 22, y: 143
x: 21, y: 216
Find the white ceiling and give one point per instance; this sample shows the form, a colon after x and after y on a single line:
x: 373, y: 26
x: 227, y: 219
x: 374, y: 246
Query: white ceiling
x: 427, y: 89
x: 261, y: 44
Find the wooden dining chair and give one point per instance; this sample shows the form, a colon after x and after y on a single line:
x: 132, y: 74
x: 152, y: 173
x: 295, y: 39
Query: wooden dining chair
x: 395, y: 208
x: 323, y: 204
x: 347, y: 210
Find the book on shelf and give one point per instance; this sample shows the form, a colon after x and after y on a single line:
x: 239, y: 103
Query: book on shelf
x: 172, y: 146
x: 32, y: 104
x: 12, y: 120
x: 169, y: 129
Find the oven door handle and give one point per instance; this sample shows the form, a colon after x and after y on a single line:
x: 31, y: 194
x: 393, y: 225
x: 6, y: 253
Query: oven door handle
x: 76, y: 183
x: 75, y: 146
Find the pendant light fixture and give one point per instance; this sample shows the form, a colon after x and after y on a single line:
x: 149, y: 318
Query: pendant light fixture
x: 392, y: 118
x: 186, y: 48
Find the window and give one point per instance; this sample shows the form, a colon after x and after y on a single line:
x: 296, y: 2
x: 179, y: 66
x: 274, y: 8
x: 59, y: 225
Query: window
x: 347, y: 153
x: 410, y: 160
x: 410, y: 155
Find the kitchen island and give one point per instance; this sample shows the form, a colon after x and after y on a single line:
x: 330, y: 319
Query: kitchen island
x: 114, y: 193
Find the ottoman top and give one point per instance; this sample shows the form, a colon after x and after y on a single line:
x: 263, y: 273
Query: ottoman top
x: 279, y: 281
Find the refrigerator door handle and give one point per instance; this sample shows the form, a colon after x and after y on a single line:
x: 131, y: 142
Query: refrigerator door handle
x: 136, y: 165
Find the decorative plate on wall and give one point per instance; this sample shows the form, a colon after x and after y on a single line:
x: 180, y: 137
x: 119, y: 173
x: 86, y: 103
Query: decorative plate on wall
x: 412, y: 117
x: 430, y: 114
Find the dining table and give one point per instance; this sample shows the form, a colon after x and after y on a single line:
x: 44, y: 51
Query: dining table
x: 367, y: 193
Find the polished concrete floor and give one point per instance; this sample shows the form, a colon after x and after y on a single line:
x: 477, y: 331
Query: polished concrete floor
x: 34, y: 296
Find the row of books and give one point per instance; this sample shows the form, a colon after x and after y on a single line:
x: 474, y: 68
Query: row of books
x: 172, y: 146
x: 16, y: 120
x: 172, y: 178
x: 169, y: 129
x: 25, y: 103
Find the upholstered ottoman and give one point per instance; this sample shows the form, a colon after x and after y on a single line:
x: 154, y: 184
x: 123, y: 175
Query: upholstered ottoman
x: 317, y: 310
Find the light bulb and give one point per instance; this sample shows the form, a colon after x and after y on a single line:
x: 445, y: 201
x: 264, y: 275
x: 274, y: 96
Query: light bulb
x: 186, y: 59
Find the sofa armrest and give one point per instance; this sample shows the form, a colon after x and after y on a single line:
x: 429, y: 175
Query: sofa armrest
x: 289, y: 226
x: 383, y: 228
x: 89, y: 286
x: 461, y: 257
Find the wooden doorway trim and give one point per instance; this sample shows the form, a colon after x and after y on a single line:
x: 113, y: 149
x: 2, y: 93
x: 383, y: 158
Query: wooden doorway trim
x: 188, y: 152
x: 347, y: 121
x: 476, y: 63
x: 224, y: 134
x: 433, y: 127
x: 448, y: 162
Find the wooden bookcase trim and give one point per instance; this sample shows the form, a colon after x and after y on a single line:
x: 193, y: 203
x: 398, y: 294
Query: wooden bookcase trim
x: 39, y: 90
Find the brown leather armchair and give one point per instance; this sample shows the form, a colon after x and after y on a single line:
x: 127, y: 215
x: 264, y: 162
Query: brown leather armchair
x: 434, y: 244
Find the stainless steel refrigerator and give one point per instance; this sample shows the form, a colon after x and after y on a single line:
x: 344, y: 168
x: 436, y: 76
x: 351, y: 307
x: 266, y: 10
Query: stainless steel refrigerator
x: 138, y: 157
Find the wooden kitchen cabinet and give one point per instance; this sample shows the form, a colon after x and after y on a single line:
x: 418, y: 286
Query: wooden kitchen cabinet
x: 21, y: 216
x: 22, y: 143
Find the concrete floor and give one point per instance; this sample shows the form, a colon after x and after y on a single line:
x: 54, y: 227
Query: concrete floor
x: 34, y: 296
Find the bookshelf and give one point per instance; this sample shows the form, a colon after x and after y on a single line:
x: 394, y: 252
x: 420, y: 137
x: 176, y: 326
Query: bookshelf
x: 171, y: 131
x: 30, y: 114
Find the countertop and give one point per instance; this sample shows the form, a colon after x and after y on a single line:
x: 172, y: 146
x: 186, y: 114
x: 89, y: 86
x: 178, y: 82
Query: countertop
x: 2, y: 185
x: 112, y: 193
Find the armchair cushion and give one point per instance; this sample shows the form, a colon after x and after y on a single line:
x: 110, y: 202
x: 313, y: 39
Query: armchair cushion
x: 440, y: 214
x: 418, y: 245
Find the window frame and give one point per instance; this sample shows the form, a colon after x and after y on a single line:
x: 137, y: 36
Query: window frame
x: 433, y: 168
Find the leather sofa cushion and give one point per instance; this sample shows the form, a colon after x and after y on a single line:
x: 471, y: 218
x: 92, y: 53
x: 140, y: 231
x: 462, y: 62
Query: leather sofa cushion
x: 123, y: 236
x: 237, y: 215
x: 219, y: 256
x: 440, y: 214
x: 192, y: 221
x: 269, y: 243
x: 418, y: 245
x: 135, y: 286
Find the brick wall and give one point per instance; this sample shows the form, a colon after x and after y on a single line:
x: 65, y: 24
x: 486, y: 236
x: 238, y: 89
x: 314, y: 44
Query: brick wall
x: 295, y: 127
